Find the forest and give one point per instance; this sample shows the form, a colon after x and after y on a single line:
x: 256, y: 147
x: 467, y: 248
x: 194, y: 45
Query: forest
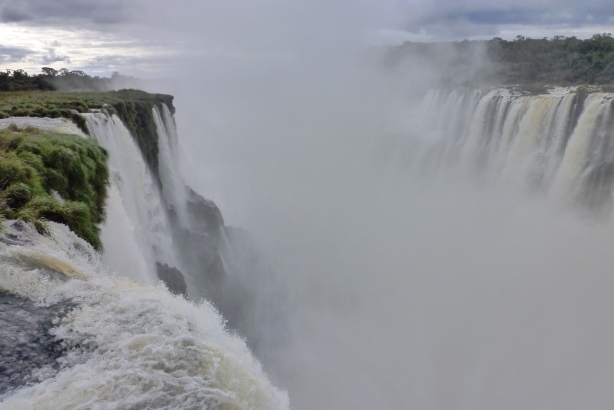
x: 554, y: 61
x: 63, y: 79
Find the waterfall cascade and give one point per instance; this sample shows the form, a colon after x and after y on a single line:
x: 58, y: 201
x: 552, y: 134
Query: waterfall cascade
x: 170, y: 224
x: 109, y: 342
x: 116, y: 342
x: 557, y: 143
x: 180, y: 235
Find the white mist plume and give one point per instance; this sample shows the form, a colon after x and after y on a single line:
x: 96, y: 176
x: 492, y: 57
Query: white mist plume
x: 404, y: 293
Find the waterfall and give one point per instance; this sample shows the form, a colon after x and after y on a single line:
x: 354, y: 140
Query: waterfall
x: 557, y: 143
x: 121, y: 344
x: 161, y: 229
x: 173, y: 184
x: 138, y: 214
x: 107, y: 333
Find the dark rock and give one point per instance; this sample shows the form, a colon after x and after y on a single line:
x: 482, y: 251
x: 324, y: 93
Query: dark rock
x: 16, y: 232
x: 26, y: 344
x: 204, y: 210
x: 172, y: 278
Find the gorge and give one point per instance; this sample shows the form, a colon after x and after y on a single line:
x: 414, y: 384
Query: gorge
x: 461, y: 262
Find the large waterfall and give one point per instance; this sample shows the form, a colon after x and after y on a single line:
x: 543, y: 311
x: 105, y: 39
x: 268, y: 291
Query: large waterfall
x: 457, y: 281
x: 557, y: 143
x: 103, y: 331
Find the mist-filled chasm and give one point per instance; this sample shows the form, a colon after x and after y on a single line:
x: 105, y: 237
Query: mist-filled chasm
x: 330, y: 236
x: 442, y: 249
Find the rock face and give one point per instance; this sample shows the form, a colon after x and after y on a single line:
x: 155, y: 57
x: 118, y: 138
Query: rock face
x: 205, y: 213
x: 200, y: 246
x: 16, y: 233
x: 26, y: 346
x: 172, y: 278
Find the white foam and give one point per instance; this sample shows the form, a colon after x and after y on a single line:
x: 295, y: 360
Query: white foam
x: 59, y: 125
x: 130, y: 345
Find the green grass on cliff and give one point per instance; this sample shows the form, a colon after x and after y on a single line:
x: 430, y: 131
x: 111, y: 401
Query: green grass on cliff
x: 53, y: 177
x: 133, y: 107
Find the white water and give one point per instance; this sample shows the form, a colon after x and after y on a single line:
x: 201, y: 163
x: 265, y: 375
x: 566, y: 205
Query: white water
x: 140, y: 201
x: 129, y: 345
x: 554, y: 143
x: 173, y: 184
x: 407, y: 294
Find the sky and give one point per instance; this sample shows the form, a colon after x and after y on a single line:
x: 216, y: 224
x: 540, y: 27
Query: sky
x: 147, y: 37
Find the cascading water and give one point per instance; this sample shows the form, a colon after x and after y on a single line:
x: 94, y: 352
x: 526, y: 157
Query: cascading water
x: 139, y: 197
x: 173, y: 184
x: 557, y: 143
x: 436, y: 297
x: 151, y: 212
x: 121, y: 343
x: 118, y: 343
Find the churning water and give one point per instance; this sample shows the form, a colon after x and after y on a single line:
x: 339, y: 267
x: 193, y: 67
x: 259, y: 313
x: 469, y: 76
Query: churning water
x: 473, y: 270
x: 124, y: 344
x: 100, y: 334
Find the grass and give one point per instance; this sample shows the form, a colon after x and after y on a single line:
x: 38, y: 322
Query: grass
x: 53, y: 177
x: 134, y: 107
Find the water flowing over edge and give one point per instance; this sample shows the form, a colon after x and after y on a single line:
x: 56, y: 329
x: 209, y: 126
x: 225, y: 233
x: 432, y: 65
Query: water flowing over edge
x: 558, y: 143
x: 141, y: 215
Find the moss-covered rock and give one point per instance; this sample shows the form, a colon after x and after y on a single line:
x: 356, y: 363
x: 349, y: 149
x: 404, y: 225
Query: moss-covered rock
x: 53, y: 177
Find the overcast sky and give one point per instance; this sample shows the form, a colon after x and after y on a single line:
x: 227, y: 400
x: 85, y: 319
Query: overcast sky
x: 145, y: 37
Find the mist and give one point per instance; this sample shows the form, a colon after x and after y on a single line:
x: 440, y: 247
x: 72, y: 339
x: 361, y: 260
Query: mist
x: 403, y: 291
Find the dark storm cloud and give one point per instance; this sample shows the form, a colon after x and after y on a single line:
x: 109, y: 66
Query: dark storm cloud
x: 46, y: 11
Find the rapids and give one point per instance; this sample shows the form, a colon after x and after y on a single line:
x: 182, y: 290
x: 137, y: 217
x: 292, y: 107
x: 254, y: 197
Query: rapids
x: 103, y: 330
x: 122, y: 344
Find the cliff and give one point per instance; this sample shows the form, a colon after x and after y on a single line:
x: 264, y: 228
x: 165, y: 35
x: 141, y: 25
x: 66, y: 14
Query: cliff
x: 80, y: 172
x: 47, y: 175
x: 134, y: 107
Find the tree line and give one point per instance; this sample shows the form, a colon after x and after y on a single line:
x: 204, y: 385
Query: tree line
x: 558, y: 60
x: 63, y: 79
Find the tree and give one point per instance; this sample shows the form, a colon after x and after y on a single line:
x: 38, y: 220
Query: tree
x: 48, y: 71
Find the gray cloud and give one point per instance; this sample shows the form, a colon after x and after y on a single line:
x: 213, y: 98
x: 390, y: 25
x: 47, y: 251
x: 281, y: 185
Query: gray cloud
x: 445, y: 19
x: 64, y: 11
x: 14, y: 54
x: 53, y: 57
x: 276, y: 30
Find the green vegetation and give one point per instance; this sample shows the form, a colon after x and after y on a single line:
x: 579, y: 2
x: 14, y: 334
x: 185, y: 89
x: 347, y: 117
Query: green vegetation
x: 556, y: 61
x: 63, y: 178
x: 133, y: 107
x: 63, y: 79
x: 53, y: 177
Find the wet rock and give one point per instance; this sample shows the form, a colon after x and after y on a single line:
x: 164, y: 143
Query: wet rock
x: 204, y: 210
x: 16, y: 232
x: 172, y: 278
x: 26, y: 345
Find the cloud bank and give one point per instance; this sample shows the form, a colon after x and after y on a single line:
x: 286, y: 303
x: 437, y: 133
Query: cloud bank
x: 143, y: 37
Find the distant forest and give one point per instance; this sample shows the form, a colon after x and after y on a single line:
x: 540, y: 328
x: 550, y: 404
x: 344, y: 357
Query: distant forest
x: 63, y: 79
x: 557, y: 61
